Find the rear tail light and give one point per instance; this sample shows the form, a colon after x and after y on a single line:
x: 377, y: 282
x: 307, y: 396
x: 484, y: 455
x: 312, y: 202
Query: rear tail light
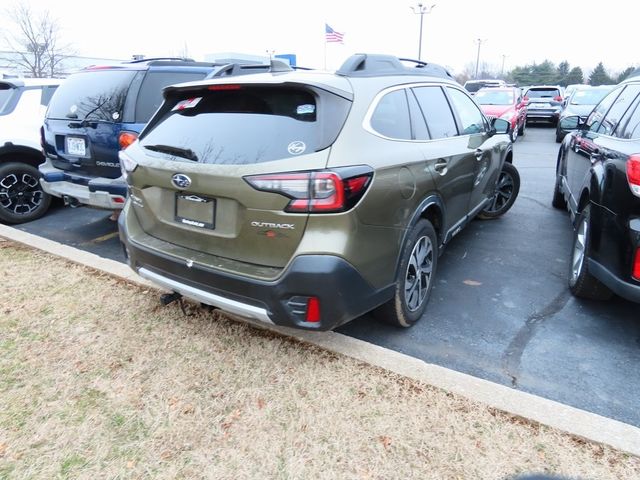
x: 633, y: 173
x: 636, y: 266
x: 557, y: 98
x: 319, y: 191
x: 126, y: 138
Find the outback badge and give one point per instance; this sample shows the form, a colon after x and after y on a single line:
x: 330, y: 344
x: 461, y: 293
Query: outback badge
x: 180, y: 180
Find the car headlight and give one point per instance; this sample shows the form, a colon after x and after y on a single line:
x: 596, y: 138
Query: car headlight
x: 127, y: 164
x: 508, y: 115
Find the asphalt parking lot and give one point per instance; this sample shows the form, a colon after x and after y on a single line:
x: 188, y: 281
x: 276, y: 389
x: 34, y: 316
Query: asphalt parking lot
x: 500, y: 309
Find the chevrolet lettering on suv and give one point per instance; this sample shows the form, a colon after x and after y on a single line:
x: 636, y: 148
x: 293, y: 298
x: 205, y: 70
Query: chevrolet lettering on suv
x: 314, y: 197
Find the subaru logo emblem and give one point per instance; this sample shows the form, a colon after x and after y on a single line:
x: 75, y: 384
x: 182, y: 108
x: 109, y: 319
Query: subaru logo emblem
x: 180, y: 180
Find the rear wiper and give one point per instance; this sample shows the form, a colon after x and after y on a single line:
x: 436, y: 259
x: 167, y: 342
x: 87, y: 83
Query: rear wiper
x: 180, y: 152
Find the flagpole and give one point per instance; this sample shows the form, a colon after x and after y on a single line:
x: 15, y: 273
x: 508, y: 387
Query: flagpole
x: 325, y: 45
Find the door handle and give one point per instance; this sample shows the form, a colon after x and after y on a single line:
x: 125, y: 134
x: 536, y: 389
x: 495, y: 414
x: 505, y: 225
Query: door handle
x: 478, y: 153
x: 441, y: 166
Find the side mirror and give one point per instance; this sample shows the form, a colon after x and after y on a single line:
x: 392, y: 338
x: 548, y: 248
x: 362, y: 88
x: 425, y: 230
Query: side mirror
x: 573, y: 122
x: 499, y: 125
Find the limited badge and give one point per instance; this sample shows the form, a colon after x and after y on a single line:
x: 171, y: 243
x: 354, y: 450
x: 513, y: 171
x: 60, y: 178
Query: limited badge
x: 296, y: 148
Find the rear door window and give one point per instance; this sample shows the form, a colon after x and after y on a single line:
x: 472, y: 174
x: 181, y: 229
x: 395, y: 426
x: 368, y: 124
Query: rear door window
x: 436, y: 111
x: 597, y: 115
x: 97, y: 95
x: 629, y: 126
x: 150, y: 96
x: 6, y: 94
x: 391, y: 116
x: 241, y: 124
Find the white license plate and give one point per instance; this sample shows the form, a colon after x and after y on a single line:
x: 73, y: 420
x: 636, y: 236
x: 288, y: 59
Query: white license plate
x: 76, y: 146
x: 540, y: 105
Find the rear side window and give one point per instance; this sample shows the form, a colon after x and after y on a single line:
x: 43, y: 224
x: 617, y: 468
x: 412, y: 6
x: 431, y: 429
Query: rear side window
x: 436, y: 111
x: 629, y: 127
x: 619, y: 107
x: 6, y: 94
x: 246, y: 124
x: 47, y: 93
x: 471, y: 118
x: 150, y: 96
x: 391, y: 116
x: 597, y: 115
x: 93, y: 95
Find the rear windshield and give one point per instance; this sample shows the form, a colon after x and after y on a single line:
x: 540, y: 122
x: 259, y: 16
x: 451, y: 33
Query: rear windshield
x: 543, y: 93
x: 494, y: 97
x: 246, y: 124
x: 6, y: 92
x: 97, y: 95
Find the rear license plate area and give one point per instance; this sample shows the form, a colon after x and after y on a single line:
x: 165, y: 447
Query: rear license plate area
x: 76, y: 146
x: 195, y: 210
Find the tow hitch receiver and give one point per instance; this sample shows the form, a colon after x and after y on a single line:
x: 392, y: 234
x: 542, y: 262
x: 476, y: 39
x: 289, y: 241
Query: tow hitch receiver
x: 168, y: 298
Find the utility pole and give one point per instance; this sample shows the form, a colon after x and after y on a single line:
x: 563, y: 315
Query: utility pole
x: 421, y: 10
x: 479, y: 41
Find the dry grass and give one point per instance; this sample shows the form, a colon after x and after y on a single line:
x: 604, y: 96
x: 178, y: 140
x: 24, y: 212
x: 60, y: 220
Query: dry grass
x: 98, y: 381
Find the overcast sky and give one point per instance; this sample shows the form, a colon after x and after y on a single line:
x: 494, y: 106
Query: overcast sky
x: 584, y: 33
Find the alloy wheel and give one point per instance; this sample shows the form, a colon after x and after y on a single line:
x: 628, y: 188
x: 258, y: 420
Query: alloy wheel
x: 579, y: 248
x: 20, y: 194
x: 504, y: 191
x: 418, y: 275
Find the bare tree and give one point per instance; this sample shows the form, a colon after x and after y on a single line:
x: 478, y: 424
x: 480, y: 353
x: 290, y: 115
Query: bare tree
x: 35, y: 45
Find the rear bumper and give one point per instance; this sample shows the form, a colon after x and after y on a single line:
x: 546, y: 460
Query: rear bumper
x: 618, y: 286
x: 342, y: 292
x: 543, y: 115
x: 108, y: 193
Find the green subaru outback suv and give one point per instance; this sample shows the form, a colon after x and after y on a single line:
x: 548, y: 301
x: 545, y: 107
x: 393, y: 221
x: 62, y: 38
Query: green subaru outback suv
x: 306, y: 198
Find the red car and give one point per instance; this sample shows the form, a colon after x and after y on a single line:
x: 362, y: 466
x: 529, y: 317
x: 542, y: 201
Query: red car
x: 506, y: 103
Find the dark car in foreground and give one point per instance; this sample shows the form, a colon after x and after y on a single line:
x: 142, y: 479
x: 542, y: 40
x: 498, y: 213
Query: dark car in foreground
x: 580, y: 103
x: 306, y: 198
x: 598, y: 180
x: 544, y: 103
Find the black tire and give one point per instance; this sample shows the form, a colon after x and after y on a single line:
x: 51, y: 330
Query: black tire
x: 21, y: 196
x: 418, y: 265
x: 581, y: 283
x: 522, y: 129
x: 507, y: 189
x: 559, y: 138
x: 558, y: 199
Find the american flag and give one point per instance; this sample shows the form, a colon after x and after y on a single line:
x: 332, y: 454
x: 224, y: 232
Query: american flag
x: 330, y: 35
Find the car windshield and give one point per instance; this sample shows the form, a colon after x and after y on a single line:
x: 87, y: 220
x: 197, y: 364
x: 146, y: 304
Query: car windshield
x: 92, y: 95
x: 494, y: 97
x: 591, y: 96
x: 6, y: 92
x: 243, y: 125
x: 543, y: 93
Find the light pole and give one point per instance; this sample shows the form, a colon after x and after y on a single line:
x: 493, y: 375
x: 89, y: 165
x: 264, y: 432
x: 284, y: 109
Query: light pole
x: 421, y: 10
x: 479, y: 41
x: 502, y: 69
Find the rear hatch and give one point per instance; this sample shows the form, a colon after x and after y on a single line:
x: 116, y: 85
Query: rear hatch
x: 543, y: 98
x: 220, y: 169
x: 84, y: 120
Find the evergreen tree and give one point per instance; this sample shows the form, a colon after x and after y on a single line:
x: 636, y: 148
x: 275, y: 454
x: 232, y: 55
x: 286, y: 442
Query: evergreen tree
x: 599, y: 76
x: 563, y: 72
x: 575, y: 76
x: 624, y: 74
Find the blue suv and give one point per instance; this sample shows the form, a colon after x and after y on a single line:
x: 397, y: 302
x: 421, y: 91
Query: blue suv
x: 96, y: 113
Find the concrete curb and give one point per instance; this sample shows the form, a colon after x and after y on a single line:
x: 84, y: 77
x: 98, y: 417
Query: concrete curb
x: 568, y: 419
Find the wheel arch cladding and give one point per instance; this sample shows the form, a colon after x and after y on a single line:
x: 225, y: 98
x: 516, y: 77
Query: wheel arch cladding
x: 20, y: 154
x: 433, y: 213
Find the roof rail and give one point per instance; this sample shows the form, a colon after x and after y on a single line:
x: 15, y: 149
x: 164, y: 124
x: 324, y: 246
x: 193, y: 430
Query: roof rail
x: 143, y: 60
x: 233, y: 69
x: 374, y: 65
